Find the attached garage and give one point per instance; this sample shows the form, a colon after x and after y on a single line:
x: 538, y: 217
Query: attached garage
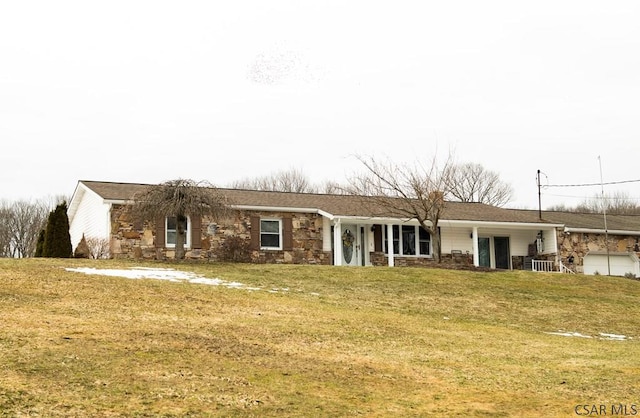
x: 595, y: 262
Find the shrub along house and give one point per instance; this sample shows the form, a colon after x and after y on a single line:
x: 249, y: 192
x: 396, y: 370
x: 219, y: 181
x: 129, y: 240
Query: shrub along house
x: 300, y: 228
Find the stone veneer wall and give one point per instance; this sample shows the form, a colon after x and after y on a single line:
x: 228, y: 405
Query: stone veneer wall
x: 222, y: 239
x: 448, y: 260
x: 579, y: 244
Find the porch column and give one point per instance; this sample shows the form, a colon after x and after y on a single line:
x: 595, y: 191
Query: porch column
x: 390, y: 245
x: 554, y: 234
x: 337, y: 243
x: 476, y: 256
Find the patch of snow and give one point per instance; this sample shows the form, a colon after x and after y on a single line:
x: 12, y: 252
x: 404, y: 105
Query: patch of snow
x: 158, y: 274
x: 569, y: 334
x: 166, y: 274
x: 602, y: 335
x: 615, y: 337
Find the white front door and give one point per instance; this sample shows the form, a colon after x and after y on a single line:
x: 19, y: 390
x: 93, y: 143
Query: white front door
x: 350, y: 241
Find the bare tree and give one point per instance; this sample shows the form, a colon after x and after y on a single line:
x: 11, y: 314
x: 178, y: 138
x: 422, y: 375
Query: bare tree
x: 20, y: 223
x: 98, y: 247
x: 332, y: 187
x: 5, y: 230
x: 178, y: 198
x: 292, y: 180
x: 26, y: 222
x: 471, y: 182
x: 412, y: 191
x: 615, y: 203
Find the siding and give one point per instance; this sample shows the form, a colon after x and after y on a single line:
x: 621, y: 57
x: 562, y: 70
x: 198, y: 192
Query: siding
x: 456, y: 239
x: 91, y: 219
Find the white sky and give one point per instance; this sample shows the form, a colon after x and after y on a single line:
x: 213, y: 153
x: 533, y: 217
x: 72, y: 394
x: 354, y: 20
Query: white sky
x: 147, y: 91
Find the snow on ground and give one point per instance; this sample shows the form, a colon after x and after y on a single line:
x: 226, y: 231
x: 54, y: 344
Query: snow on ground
x: 167, y: 274
x: 601, y: 336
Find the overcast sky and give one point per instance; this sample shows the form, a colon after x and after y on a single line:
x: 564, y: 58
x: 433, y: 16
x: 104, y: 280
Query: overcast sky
x: 148, y: 91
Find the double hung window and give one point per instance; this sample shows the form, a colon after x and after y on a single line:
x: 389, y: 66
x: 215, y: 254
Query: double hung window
x: 271, y: 234
x: 171, y: 231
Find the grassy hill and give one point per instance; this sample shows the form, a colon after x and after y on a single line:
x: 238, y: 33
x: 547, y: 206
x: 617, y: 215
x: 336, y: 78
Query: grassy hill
x: 314, y: 341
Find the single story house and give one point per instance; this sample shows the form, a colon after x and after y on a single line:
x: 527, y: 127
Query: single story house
x: 303, y: 228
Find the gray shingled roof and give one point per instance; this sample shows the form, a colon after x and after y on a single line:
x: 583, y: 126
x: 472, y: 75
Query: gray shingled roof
x: 345, y: 205
x: 595, y: 220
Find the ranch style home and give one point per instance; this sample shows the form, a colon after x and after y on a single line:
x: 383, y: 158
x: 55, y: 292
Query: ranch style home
x: 343, y: 230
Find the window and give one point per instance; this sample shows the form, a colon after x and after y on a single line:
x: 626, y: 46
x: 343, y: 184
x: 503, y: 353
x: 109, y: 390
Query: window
x: 408, y: 240
x: 271, y: 233
x: 171, y: 230
x: 424, y: 240
x: 411, y: 239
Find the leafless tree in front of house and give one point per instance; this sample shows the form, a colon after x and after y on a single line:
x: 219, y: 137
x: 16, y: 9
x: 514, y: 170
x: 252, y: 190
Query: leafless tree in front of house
x: 413, y: 191
x: 179, y: 198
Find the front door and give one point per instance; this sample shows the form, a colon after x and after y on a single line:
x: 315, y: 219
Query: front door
x: 484, y: 252
x: 350, y: 241
x: 503, y: 255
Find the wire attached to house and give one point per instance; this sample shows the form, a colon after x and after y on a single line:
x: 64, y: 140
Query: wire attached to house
x: 591, y: 184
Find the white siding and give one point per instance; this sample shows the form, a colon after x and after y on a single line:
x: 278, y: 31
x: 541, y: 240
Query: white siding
x: 456, y: 239
x: 460, y: 239
x: 91, y: 218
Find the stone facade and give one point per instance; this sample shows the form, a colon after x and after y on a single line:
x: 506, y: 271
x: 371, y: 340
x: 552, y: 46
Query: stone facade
x: 573, y: 247
x: 230, y: 240
x: 456, y: 261
x: 222, y: 240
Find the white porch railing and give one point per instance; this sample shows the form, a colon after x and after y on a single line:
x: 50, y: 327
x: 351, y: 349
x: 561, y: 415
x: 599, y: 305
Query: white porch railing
x: 548, y: 267
x: 542, y: 265
x: 565, y: 269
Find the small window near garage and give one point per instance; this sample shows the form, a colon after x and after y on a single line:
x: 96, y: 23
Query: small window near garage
x: 271, y: 234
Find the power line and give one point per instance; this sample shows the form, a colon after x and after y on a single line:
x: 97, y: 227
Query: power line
x: 621, y: 198
x: 591, y: 184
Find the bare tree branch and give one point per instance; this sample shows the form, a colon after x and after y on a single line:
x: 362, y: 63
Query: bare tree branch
x: 179, y: 198
x: 471, y: 182
x: 292, y: 180
x: 407, y: 191
x: 615, y: 203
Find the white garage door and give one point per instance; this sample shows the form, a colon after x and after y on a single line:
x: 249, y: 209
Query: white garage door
x: 620, y: 263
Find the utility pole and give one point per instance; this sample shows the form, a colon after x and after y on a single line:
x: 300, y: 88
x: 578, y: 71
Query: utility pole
x: 604, y: 213
x: 539, y: 198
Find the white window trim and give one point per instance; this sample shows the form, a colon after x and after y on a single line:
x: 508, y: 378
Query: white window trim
x: 417, y: 242
x: 279, y: 234
x: 187, y: 241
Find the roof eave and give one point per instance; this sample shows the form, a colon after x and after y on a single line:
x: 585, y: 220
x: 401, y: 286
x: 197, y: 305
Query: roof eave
x: 601, y: 231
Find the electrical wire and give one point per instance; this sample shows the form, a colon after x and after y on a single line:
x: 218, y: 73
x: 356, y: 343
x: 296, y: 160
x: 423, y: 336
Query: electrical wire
x: 591, y: 184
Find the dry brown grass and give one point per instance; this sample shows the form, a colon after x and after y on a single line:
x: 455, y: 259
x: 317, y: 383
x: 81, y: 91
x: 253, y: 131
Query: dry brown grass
x: 373, y: 342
